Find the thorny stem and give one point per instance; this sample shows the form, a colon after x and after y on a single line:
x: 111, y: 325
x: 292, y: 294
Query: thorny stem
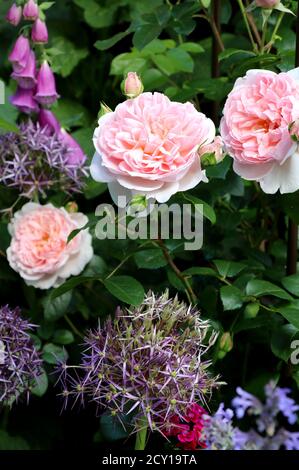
x: 244, y: 14
x: 189, y: 291
x: 272, y: 39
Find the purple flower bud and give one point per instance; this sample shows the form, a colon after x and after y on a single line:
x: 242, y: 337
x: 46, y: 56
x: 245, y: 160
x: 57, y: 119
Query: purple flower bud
x: 46, y: 88
x: 49, y: 122
x: 76, y: 154
x: 19, y: 55
x: 39, y: 33
x: 30, y: 11
x: 14, y: 15
x: 26, y: 78
x: 24, y: 101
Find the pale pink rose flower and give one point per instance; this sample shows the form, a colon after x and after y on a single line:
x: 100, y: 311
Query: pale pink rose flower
x: 39, y: 251
x: 148, y: 146
x: 255, y: 129
x: 216, y: 148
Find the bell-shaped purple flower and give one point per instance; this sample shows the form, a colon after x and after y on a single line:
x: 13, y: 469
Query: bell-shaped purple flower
x: 46, y: 88
x: 30, y: 11
x: 76, y: 156
x: 39, y: 33
x: 24, y: 101
x: 20, y: 53
x: 26, y: 78
x: 49, y: 122
x: 14, y: 15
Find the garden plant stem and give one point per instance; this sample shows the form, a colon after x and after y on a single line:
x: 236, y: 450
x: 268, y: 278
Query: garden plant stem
x: 141, y: 435
x: 216, y: 48
x: 293, y: 227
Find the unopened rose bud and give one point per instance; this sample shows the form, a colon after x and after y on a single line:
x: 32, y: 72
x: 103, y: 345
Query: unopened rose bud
x: 294, y: 130
x: 30, y: 11
x: 211, y: 154
x: 267, y: 3
x: 14, y: 15
x: 71, y: 207
x: 104, y: 109
x: 133, y: 85
x: 226, y: 342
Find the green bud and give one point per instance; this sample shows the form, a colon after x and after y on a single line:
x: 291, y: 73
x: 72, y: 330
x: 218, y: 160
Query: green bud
x: 251, y: 310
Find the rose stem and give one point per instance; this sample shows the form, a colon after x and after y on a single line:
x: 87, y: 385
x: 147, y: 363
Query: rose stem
x: 293, y: 227
x: 216, y: 7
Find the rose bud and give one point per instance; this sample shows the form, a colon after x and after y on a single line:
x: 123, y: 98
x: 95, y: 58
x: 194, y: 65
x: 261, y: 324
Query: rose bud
x: 133, y: 85
x: 267, y: 3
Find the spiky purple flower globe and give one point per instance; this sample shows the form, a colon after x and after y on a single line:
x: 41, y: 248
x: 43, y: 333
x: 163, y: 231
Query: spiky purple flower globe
x: 146, y: 363
x: 20, y: 364
x: 34, y: 162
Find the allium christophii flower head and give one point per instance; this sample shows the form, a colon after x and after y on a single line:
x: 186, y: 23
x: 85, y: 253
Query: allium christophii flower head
x: 20, y: 364
x: 147, y: 362
x: 34, y: 162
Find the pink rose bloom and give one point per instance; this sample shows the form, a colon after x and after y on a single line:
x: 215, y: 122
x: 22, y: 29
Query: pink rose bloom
x: 148, y: 146
x: 39, y: 251
x: 255, y: 129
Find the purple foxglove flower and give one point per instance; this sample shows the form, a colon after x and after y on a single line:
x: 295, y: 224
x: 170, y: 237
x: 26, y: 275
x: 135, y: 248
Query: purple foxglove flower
x: 49, y: 122
x: 14, y: 15
x: 20, y: 53
x: 75, y: 152
x: 46, y: 88
x: 24, y: 101
x: 30, y: 11
x: 39, y: 33
x: 26, y: 78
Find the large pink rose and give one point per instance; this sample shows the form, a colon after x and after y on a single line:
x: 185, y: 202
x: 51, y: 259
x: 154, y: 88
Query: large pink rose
x: 39, y: 251
x: 255, y: 129
x: 148, y: 146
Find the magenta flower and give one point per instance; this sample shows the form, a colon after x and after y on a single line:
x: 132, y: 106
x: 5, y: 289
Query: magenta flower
x: 26, y: 78
x: 14, y: 15
x: 46, y: 88
x: 30, y: 11
x: 49, y: 122
x: 20, y: 53
x: 24, y: 101
x: 75, y: 152
x: 39, y: 33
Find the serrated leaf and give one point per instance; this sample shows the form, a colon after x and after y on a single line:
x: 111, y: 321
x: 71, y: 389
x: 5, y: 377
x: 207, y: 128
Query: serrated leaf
x: 232, y: 298
x: 56, y: 307
x: 202, y: 206
x: 125, y: 288
x: 291, y: 283
x: 228, y: 268
x: 281, y: 341
x: 258, y: 287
